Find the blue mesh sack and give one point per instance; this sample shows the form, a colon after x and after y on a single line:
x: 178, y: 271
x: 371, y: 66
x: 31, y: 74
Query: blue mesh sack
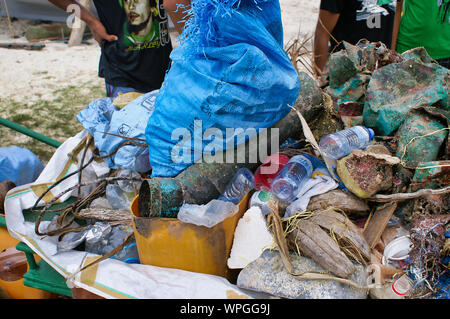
x: 229, y: 71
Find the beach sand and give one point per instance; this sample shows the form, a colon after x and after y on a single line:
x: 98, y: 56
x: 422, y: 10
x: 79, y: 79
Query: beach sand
x: 28, y: 76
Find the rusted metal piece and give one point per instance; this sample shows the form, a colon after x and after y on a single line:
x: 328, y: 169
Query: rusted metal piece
x: 160, y: 198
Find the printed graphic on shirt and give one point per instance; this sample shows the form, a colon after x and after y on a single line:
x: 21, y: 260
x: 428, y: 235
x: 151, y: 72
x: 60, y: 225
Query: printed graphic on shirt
x: 370, y: 8
x: 444, y: 12
x: 146, y: 26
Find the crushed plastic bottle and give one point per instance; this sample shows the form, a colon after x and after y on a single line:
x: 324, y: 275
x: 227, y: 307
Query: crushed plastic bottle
x: 101, y: 238
x: 121, y: 194
x: 207, y: 215
x: 241, y: 183
x: 117, y: 197
x: 340, y: 144
x: 291, y: 178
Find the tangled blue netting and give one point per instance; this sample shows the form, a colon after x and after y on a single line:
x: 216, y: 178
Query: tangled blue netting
x: 201, y: 29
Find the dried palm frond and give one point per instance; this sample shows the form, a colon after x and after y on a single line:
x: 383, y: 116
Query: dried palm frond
x: 300, y: 53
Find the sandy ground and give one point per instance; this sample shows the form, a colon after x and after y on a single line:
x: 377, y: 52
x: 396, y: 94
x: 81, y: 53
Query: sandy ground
x: 27, y: 76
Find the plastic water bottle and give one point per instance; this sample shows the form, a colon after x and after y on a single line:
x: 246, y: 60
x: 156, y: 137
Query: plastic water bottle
x: 340, y: 144
x: 286, y: 185
x: 242, y: 183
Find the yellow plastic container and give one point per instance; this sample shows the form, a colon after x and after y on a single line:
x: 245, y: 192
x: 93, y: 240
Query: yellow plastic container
x: 170, y: 243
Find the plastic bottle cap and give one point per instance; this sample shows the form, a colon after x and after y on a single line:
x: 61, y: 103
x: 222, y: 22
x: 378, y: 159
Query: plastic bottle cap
x: 371, y: 133
x: 264, y: 196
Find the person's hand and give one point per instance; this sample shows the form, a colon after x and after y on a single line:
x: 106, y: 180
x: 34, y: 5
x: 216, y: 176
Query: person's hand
x: 99, y: 32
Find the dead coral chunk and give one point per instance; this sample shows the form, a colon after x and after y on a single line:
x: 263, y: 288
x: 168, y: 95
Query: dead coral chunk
x: 366, y: 173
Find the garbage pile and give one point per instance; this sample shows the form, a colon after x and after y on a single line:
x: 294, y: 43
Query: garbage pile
x: 363, y: 213
x: 381, y: 223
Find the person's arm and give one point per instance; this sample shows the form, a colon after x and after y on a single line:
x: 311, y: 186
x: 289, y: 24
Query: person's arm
x: 397, y: 19
x: 98, y: 29
x: 177, y: 17
x: 325, y: 25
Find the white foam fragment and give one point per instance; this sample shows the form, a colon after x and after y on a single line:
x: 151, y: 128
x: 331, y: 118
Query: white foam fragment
x: 251, y: 238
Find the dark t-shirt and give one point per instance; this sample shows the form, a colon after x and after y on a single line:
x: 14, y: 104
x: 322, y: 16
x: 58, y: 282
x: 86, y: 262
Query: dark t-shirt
x: 360, y: 19
x: 140, y: 57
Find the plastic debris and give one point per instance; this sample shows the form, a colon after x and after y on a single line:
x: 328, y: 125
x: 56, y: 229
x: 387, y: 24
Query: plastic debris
x: 240, y: 185
x: 320, y: 184
x: 120, y: 132
x: 207, y: 215
x: 292, y: 178
x: 340, y: 144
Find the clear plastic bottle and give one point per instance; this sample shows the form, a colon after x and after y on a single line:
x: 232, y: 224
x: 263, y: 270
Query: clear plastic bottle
x: 241, y: 183
x: 288, y: 182
x: 340, y: 144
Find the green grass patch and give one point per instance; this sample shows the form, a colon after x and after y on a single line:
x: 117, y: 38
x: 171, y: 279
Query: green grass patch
x: 54, y: 118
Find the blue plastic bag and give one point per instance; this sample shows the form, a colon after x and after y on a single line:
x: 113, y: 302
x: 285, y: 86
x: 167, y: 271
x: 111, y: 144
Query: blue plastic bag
x: 229, y: 71
x: 19, y: 165
x: 111, y: 126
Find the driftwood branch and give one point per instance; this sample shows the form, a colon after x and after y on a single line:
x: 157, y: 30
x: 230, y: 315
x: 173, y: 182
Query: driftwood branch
x: 405, y: 196
x: 104, y: 214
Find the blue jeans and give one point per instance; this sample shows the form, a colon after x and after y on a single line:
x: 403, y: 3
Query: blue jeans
x: 444, y: 62
x: 113, y: 91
